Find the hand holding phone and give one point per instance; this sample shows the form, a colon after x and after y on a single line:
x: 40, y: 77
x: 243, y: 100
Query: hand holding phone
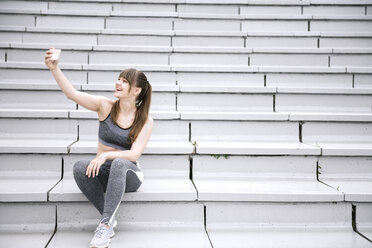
x: 51, y: 58
x: 55, y: 54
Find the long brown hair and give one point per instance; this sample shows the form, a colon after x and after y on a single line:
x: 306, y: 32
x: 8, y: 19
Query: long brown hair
x: 143, y: 100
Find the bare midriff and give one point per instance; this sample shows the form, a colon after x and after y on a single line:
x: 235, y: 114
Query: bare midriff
x: 103, y: 148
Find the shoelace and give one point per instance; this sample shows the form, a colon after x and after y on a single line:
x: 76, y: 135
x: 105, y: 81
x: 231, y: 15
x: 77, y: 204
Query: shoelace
x: 99, y: 231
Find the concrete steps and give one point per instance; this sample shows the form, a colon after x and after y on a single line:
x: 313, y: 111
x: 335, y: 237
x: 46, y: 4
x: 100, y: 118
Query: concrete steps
x: 184, y: 56
x: 175, y: 225
x: 262, y: 111
x: 177, y: 39
x: 201, y: 99
x: 319, y: 224
x: 294, y: 77
x: 27, y: 224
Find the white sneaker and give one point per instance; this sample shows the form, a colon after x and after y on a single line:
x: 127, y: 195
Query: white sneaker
x: 101, y: 237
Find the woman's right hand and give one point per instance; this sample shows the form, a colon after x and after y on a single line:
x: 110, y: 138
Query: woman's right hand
x: 52, y: 64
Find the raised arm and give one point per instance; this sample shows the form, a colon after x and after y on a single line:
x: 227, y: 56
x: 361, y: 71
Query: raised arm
x: 86, y: 100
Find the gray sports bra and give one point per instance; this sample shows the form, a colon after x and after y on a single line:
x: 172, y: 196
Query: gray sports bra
x: 112, y: 135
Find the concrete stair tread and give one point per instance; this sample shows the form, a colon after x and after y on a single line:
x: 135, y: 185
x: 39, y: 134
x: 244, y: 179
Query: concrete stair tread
x: 34, y: 113
x: 67, y: 113
x: 153, y: 147
x: 190, y: 49
x: 203, y: 147
x: 271, y: 189
x: 144, y: 14
x: 194, y: 115
x: 26, y: 239
x: 34, y: 86
x: 27, y: 224
x: 26, y: 188
x: 88, y: 114
x: 355, y: 190
x: 195, y: 68
x: 262, y: 237
x: 25, y: 45
x: 140, y: 224
x: 108, y: 87
x: 295, y: 116
x: 283, y: 224
x: 182, y: 15
x: 271, y: 89
x: 239, y: 147
x: 200, y: 88
x: 333, y: 2
x: 152, y: 189
x: 251, y: 2
x: 139, y: 239
x: 34, y: 145
x: 328, y: 116
x: 241, y: 68
x: 344, y: 148
x: 185, y: 32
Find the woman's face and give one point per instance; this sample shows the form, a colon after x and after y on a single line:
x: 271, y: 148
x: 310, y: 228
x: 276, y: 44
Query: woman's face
x: 121, y: 88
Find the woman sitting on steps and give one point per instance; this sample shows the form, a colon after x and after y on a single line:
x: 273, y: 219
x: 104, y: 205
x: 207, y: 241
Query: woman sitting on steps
x: 124, y: 131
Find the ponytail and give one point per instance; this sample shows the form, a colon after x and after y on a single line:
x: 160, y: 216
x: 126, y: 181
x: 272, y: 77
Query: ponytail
x: 143, y: 107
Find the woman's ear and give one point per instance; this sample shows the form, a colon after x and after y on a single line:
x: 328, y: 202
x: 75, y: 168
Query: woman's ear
x: 137, y: 91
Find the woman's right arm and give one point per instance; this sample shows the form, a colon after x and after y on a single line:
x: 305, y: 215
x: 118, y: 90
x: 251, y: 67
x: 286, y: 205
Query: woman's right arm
x: 86, y: 100
x: 63, y: 82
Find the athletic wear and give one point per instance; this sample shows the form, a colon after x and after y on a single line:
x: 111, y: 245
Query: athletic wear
x: 115, y: 177
x: 110, y: 134
x: 106, y: 189
x: 102, y: 237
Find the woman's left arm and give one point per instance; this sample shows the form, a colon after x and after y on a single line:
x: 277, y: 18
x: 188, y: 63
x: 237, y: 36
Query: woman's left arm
x: 138, y: 145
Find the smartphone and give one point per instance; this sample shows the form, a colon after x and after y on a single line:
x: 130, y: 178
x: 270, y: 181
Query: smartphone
x: 55, y: 54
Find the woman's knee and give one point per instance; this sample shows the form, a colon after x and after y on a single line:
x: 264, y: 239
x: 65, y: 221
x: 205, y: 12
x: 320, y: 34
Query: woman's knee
x: 121, y: 163
x: 80, y: 167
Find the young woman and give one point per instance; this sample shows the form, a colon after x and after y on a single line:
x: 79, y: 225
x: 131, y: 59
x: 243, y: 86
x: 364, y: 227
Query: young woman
x: 124, y: 131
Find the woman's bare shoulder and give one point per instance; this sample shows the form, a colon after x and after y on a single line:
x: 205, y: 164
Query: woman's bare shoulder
x: 107, y: 104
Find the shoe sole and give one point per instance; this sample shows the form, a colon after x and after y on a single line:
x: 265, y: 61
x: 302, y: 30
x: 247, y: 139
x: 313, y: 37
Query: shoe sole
x: 102, y: 246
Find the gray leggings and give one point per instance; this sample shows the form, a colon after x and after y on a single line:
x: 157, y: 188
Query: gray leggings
x: 114, y: 178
